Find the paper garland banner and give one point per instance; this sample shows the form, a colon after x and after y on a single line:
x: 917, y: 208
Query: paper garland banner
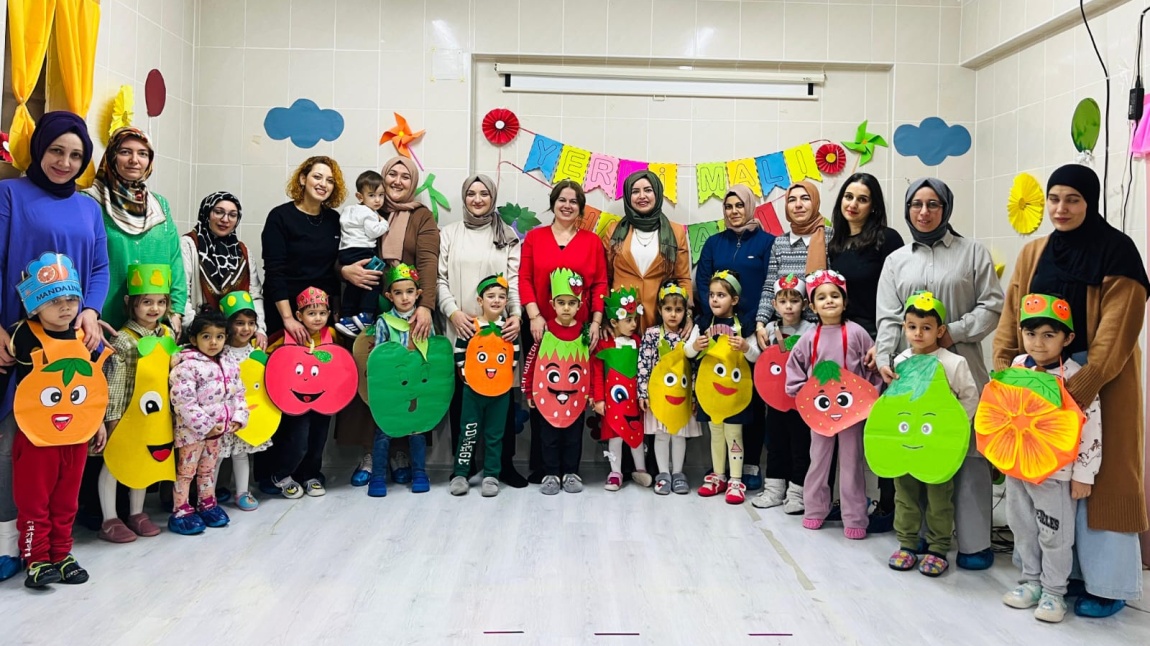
x: 626, y: 168
x: 743, y: 171
x: 543, y: 157
x: 801, y: 163
x: 572, y: 165
x: 590, y: 219
x: 697, y: 235
x: 669, y: 175
x: 765, y: 214
x: 773, y: 173
x: 605, y: 220
x: 602, y: 173
x: 711, y: 180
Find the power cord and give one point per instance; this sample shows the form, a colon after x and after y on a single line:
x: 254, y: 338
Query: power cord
x: 1106, y: 115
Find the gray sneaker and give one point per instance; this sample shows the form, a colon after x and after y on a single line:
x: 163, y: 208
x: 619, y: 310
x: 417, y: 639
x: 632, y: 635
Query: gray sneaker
x: 290, y: 488
x: 550, y: 485
x: 679, y: 484
x: 459, y: 486
x: 314, y: 488
x: 572, y: 483
x: 489, y: 488
x: 663, y: 484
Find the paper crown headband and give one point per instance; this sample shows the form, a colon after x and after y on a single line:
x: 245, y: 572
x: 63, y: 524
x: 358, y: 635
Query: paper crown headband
x: 925, y: 301
x: 402, y: 272
x: 790, y: 281
x: 50, y: 276
x: 565, y: 282
x: 490, y: 281
x: 668, y: 290
x: 149, y: 279
x: 622, y: 303
x: 729, y: 278
x: 234, y: 302
x: 824, y: 277
x: 1045, y: 306
x: 311, y: 296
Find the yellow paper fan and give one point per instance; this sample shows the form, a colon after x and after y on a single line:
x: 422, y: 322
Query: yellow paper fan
x: 122, y: 108
x: 1026, y: 204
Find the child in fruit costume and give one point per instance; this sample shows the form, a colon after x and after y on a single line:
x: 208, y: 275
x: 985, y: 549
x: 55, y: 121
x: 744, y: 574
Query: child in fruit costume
x: 788, y: 436
x: 556, y: 384
x: 56, y: 376
x: 487, y: 362
x: 614, y: 391
x: 208, y: 402
x: 924, y: 328
x: 665, y: 379
x: 239, y: 309
x: 836, y: 340
x: 724, y: 369
x: 147, y: 303
x: 1041, y: 516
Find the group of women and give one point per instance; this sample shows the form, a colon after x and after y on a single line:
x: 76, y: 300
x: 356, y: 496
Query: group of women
x: 1096, y: 267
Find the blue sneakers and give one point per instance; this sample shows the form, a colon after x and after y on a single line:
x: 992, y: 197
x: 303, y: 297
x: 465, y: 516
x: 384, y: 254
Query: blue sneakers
x: 187, y: 524
x: 420, y: 482
x: 349, y: 326
x: 977, y: 561
x: 377, y: 486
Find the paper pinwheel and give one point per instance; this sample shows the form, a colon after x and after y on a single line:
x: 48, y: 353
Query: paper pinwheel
x: 831, y: 158
x: 864, y: 143
x: 436, y: 198
x: 401, y: 137
x: 520, y: 218
x: 1025, y: 204
x: 500, y: 126
x: 5, y: 152
x: 122, y: 108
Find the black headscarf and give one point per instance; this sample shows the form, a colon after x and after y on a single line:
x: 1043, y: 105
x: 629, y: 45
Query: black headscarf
x: 51, y: 126
x: 945, y: 196
x: 221, y: 259
x: 655, y: 220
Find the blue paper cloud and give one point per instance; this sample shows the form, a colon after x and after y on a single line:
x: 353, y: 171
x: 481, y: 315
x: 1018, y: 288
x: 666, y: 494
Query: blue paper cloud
x: 932, y: 141
x: 304, y: 123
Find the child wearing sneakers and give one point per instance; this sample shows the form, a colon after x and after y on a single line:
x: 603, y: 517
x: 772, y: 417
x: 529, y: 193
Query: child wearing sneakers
x: 208, y: 403
x: 242, y: 325
x: 487, y: 363
x: 361, y: 227
x: 622, y: 311
x: 1042, y: 516
x: 788, y: 437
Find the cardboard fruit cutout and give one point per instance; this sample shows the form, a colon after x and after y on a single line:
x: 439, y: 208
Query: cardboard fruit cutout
x: 621, y: 407
x: 724, y: 382
x: 409, y: 392
x: 771, y: 374
x: 917, y: 426
x: 139, y: 452
x: 263, y: 415
x: 62, y: 401
x: 834, y: 399
x: 669, y: 388
x: 489, y: 364
x: 562, y: 380
x: 1027, y: 425
x: 302, y: 379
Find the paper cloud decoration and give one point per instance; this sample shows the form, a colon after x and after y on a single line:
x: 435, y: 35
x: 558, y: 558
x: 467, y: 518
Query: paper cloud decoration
x: 932, y: 141
x: 304, y: 123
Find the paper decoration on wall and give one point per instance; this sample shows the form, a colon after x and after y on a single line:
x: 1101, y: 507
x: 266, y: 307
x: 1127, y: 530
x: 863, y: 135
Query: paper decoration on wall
x: 402, y: 136
x: 831, y: 159
x: 409, y: 391
x: 626, y: 168
x: 669, y: 175
x: 864, y: 144
x: 437, y: 200
x: 669, y: 388
x: 572, y: 165
x: 5, y: 151
x: 1026, y: 203
x: 489, y: 362
x: 723, y: 383
x: 590, y: 219
x: 1027, y: 425
x: 122, y: 109
x: 621, y: 408
x: 1140, y: 143
x: 303, y: 379
x: 140, y: 452
x: 743, y: 171
x: 63, y: 399
x: 519, y: 218
x: 543, y: 157
x: 263, y: 416
x: 801, y: 163
x: 304, y: 123
x: 771, y: 374
x: 917, y: 426
x: 834, y: 399
x: 697, y: 235
x: 602, y: 174
x: 1085, y: 125
x: 155, y: 93
x: 999, y: 266
x: 711, y: 180
x: 932, y: 141
x: 765, y: 214
x: 561, y: 380
x: 773, y: 173
x: 500, y: 126
x: 605, y: 220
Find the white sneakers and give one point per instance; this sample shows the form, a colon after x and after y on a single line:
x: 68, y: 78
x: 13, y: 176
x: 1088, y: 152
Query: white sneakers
x: 793, y: 505
x: 773, y: 494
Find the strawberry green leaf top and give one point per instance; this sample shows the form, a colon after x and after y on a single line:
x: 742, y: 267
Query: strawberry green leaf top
x: 826, y: 371
x: 552, y: 345
x: 624, y: 361
x: 790, y: 341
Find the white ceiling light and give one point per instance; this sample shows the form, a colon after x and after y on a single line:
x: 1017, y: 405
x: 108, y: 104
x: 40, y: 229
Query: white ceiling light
x: 653, y: 81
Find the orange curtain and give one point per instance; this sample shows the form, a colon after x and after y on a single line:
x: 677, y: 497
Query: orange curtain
x: 29, y: 27
x: 77, y: 25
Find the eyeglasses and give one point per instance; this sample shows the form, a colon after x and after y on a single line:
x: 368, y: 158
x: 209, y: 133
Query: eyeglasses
x: 221, y: 213
x: 919, y: 205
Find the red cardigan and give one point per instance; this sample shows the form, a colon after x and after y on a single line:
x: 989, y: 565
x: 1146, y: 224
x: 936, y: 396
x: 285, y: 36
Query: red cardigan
x: 541, y: 256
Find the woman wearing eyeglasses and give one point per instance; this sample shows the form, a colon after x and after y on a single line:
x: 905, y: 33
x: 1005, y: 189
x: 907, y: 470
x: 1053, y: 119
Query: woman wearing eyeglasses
x: 960, y: 273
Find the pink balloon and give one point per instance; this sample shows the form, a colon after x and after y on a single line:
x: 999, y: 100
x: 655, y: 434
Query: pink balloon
x: 155, y: 93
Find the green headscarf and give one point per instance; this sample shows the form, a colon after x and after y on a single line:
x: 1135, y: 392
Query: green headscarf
x: 655, y: 220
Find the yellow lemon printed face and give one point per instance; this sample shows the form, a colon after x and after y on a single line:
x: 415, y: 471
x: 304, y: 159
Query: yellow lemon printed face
x: 139, y: 452
x: 263, y: 416
x: 670, y: 390
x: 723, y: 385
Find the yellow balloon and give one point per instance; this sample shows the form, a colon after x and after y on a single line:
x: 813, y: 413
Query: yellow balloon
x: 670, y: 390
x: 140, y: 451
x: 263, y: 416
x: 724, y: 383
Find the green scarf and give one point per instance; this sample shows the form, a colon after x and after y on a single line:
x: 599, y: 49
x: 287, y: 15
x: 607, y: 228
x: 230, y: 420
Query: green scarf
x: 655, y: 220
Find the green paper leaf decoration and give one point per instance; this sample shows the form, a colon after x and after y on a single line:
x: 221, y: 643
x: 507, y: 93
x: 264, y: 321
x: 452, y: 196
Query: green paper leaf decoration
x: 323, y: 356
x: 864, y: 143
x: 914, y: 376
x: 436, y: 198
x: 148, y: 344
x: 69, y: 367
x: 664, y: 347
x: 826, y: 371
x: 1043, y: 384
x: 520, y: 217
x: 1085, y: 125
x: 260, y: 356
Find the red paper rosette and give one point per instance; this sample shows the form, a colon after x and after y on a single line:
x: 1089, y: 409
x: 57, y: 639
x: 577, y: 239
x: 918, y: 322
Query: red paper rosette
x: 500, y: 126
x: 831, y: 158
x: 5, y: 156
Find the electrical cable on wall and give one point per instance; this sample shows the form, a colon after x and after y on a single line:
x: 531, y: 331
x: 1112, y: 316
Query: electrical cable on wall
x: 1134, y: 112
x: 1106, y: 114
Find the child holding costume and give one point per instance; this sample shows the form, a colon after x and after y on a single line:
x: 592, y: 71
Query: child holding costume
x: 846, y: 344
x: 555, y: 384
x: 242, y: 321
x: 669, y: 333
x: 147, y: 303
x: 726, y: 378
x: 622, y: 311
x: 788, y: 437
x: 208, y: 403
x: 487, y: 363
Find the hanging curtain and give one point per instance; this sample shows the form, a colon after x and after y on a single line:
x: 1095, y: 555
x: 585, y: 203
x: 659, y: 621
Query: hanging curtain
x: 77, y: 25
x: 29, y: 26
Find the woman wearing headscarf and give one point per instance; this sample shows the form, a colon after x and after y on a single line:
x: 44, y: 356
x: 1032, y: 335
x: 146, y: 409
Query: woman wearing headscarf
x: 644, y: 250
x: 1100, y: 273
x: 216, y: 262
x: 481, y: 245
x: 138, y: 222
x: 960, y: 273
x: 800, y: 252
x: 42, y: 212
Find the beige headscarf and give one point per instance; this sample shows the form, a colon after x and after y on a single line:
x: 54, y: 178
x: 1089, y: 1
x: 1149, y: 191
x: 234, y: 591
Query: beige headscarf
x: 503, y: 235
x: 812, y: 225
x: 398, y: 211
x: 750, y: 203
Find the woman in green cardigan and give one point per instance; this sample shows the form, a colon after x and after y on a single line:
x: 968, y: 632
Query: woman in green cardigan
x: 138, y: 223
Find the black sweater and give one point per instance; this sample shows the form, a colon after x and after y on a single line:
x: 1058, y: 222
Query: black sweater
x: 299, y: 251
x: 861, y: 268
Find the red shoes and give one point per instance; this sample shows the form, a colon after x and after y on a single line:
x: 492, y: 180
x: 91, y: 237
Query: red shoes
x: 713, y: 485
